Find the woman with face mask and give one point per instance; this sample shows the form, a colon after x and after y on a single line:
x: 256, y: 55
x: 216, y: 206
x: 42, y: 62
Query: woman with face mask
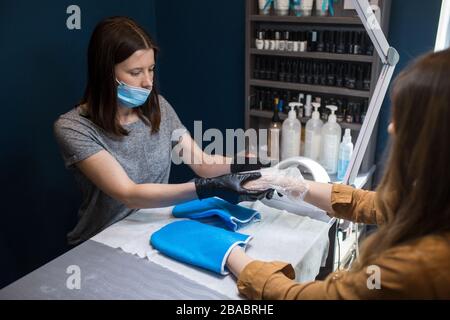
x: 118, y: 140
x: 409, y: 255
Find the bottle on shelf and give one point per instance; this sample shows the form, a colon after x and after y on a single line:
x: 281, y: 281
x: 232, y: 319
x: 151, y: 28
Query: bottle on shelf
x: 313, y: 134
x: 274, y: 132
x: 345, y: 154
x: 308, y: 106
x: 290, y: 134
x: 331, y: 138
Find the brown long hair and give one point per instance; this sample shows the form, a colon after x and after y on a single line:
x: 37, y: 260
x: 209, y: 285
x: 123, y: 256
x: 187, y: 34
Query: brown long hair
x: 414, y: 193
x: 113, y: 41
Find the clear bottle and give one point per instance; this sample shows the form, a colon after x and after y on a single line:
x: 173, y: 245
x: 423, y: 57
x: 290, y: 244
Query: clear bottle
x: 345, y: 154
x: 313, y: 134
x: 273, y: 139
x: 290, y: 134
x: 331, y: 138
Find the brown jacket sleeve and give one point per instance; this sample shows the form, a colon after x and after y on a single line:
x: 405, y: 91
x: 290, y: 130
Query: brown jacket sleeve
x: 355, y: 205
x: 403, y: 273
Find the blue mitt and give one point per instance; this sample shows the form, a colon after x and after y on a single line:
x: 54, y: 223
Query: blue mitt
x: 218, y: 212
x: 198, y: 244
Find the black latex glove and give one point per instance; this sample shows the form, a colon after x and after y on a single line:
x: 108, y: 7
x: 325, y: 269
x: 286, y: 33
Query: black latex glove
x: 208, y: 187
x: 246, y: 166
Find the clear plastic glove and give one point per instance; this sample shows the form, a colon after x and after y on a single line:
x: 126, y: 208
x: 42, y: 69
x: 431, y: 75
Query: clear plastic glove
x: 288, y: 182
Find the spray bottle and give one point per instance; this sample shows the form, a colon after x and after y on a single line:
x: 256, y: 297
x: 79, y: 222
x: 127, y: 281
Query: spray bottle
x: 345, y: 154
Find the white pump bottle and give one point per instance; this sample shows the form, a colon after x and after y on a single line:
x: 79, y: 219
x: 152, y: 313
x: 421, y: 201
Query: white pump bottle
x: 290, y: 134
x: 331, y: 138
x: 313, y: 134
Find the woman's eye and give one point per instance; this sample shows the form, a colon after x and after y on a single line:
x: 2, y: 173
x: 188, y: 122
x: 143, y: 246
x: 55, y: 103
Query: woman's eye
x: 135, y: 74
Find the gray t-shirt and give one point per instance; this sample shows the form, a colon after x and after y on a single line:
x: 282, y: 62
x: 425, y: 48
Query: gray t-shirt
x: 145, y: 157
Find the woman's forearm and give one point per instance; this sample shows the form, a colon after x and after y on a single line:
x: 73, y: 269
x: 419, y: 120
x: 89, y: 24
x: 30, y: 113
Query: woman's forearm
x: 237, y: 261
x: 141, y: 196
x: 319, y: 195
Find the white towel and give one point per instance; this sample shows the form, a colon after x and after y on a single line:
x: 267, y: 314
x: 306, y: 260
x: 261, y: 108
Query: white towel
x: 279, y: 235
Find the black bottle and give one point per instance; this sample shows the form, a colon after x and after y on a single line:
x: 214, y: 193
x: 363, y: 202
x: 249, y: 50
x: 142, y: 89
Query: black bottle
x: 357, y: 48
x: 320, y: 41
x: 309, y: 73
x: 367, y: 78
x: 316, y: 73
x: 295, y: 71
x: 274, y: 70
x: 369, y: 45
x: 257, y: 70
x: 340, y: 75
x: 349, y: 114
x: 331, y: 74
x: 312, y: 41
x: 323, y: 74
x: 282, y: 73
x: 359, y: 78
x: 330, y: 42
x: 351, y: 77
x: 357, y: 113
x: 350, y: 43
x: 340, y: 47
x: 289, y: 72
x: 302, y: 72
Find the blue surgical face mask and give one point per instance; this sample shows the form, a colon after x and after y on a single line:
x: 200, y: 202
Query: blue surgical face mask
x: 131, y: 97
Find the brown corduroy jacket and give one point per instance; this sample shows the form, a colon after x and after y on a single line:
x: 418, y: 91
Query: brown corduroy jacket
x: 419, y: 269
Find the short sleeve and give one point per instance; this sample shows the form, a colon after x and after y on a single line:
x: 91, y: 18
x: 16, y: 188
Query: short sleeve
x: 174, y: 123
x: 75, y: 140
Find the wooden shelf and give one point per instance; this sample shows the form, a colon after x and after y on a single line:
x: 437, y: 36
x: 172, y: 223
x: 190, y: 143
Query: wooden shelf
x: 314, y: 55
x: 312, y: 19
x: 304, y: 120
x: 310, y: 88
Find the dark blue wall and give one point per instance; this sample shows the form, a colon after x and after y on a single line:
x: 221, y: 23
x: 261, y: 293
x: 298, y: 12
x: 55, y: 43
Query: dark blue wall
x: 201, y: 72
x: 43, y: 68
x: 413, y: 30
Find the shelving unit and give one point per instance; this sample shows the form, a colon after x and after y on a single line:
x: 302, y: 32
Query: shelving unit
x: 344, y: 20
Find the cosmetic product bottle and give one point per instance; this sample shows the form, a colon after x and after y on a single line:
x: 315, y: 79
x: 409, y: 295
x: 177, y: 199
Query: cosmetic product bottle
x: 274, y: 74
x: 312, y: 41
x: 340, y: 75
x: 331, y: 75
x: 295, y: 71
x: 283, y: 41
x: 351, y: 77
x: 367, y: 78
x: 349, y: 115
x: 290, y: 134
x: 331, y: 44
x: 268, y: 36
x: 296, y: 8
x: 320, y: 41
x: 359, y: 78
x: 281, y: 7
x: 345, y: 155
x: 259, y: 40
x: 350, y: 42
x: 282, y: 73
x: 309, y: 73
x: 295, y: 41
x: 273, y: 139
x: 290, y: 41
x: 339, y: 115
x: 289, y: 71
x: 264, y: 7
x: 302, y: 72
x: 357, y: 48
x: 272, y: 45
x: 316, y: 73
x: 369, y: 45
x: 331, y: 138
x: 364, y: 112
x: 308, y: 106
x: 340, y: 48
x: 323, y: 74
x: 303, y: 41
x: 277, y: 40
x: 257, y: 69
x: 313, y: 134
x: 357, y: 113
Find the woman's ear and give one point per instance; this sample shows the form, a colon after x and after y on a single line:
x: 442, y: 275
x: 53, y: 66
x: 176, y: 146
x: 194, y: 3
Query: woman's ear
x: 391, y: 128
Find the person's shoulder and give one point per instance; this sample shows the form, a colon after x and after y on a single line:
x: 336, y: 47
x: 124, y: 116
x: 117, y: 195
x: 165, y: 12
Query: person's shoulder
x: 76, y: 118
